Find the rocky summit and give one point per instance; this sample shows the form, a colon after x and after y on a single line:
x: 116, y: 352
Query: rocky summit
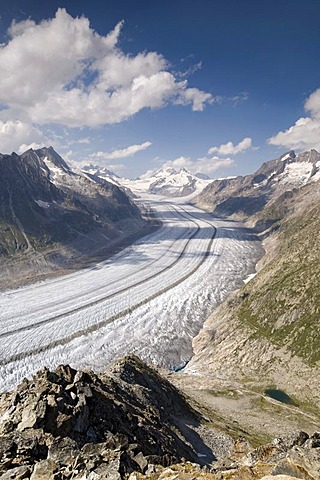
x: 66, y: 424
x: 128, y: 422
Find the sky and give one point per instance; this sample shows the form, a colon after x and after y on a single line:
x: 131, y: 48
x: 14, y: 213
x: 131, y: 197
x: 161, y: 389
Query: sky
x: 214, y: 86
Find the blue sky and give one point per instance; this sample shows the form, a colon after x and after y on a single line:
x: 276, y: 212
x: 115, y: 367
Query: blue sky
x: 217, y: 86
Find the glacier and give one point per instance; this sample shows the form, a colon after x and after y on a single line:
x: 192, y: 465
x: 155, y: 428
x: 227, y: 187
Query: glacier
x: 150, y: 299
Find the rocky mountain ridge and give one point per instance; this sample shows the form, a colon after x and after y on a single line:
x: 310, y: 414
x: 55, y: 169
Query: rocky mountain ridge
x: 129, y: 422
x: 244, y: 196
x: 52, y: 216
x: 167, y: 181
x: 119, y: 421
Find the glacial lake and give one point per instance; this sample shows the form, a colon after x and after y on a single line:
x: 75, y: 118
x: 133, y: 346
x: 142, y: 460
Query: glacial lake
x: 280, y: 395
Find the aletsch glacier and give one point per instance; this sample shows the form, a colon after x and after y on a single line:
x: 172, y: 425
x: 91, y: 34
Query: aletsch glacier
x: 150, y: 299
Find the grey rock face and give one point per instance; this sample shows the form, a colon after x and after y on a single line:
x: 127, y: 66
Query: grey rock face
x: 111, y: 424
x: 247, y: 195
x: 44, y: 202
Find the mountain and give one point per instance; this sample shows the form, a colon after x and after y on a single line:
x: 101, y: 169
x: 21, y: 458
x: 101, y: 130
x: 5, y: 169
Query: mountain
x: 169, y: 182
x: 175, y: 183
x: 243, y: 196
x: 101, y: 172
x: 131, y: 423
x: 48, y: 209
x: 267, y: 334
x: 96, y: 171
x: 118, y: 421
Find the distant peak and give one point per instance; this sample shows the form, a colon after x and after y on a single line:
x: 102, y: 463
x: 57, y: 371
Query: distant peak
x: 288, y: 155
x: 53, y: 156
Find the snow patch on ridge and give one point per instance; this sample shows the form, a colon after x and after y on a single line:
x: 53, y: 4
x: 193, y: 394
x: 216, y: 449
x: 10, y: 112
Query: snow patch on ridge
x: 43, y: 204
x: 54, y: 171
x: 297, y: 173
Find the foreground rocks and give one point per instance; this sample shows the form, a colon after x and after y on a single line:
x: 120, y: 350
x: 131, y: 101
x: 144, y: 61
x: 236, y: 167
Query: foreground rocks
x: 67, y: 424
x: 128, y: 423
x: 288, y: 458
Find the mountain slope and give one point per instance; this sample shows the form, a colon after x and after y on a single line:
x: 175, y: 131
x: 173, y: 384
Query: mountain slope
x: 269, y: 331
x: 130, y: 423
x: 101, y: 172
x: 47, y: 207
x: 244, y: 196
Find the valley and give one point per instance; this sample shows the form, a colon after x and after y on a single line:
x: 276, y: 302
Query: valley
x: 159, y: 240
x: 150, y: 299
x: 200, y: 295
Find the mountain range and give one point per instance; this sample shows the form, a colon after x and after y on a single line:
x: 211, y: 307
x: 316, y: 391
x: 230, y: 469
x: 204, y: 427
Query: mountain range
x: 52, y: 216
x: 243, y: 196
x: 129, y: 422
x: 170, y: 182
x: 167, y: 181
x: 265, y: 335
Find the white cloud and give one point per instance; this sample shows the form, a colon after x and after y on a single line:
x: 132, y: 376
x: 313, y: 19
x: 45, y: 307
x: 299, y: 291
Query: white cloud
x: 69, y: 157
x: 230, y: 149
x: 237, y: 99
x: 305, y: 133
x: 26, y: 146
x: 194, y: 96
x: 61, y: 71
x: 122, y: 153
x: 312, y: 104
x: 19, y: 136
x: 19, y: 28
x: 190, y: 70
x: 207, y: 165
x: 85, y: 140
x: 117, y: 168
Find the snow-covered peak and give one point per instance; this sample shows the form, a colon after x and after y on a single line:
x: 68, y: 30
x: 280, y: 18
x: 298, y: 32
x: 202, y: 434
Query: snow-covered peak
x: 168, y: 181
x: 101, y: 172
x: 166, y: 171
x: 98, y: 170
x: 299, y: 169
x: 287, y: 156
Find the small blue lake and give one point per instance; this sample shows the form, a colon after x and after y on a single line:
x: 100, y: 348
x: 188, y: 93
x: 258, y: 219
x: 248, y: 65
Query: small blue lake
x: 280, y: 395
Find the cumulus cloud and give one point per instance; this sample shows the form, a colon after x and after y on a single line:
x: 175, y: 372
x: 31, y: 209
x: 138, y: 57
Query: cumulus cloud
x: 122, y: 153
x: 61, y: 71
x: 305, y: 133
x: 206, y: 165
x: 19, y: 136
x: 230, y: 149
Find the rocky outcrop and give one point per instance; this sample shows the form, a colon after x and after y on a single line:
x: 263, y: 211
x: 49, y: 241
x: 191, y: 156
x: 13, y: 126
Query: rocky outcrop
x: 127, y: 423
x: 290, y: 458
x: 66, y: 424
